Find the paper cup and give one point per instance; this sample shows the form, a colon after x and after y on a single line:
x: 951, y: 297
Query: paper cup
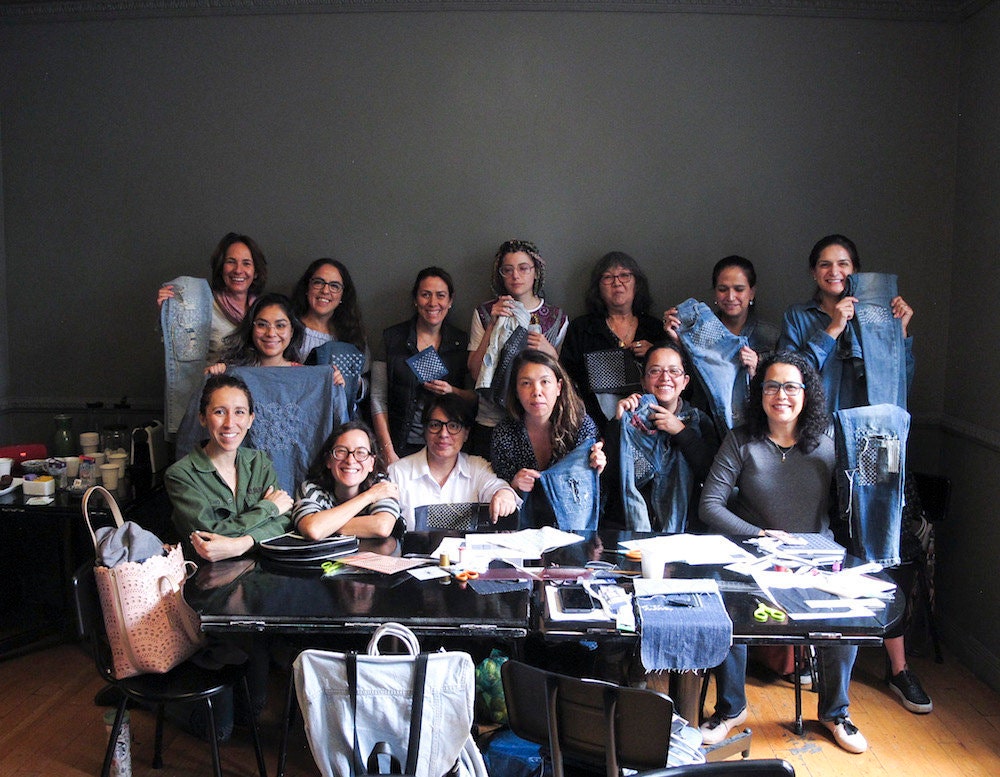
x: 72, y: 466
x: 109, y: 476
x: 652, y: 564
x: 5, y: 465
x: 121, y: 459
x: 90, y: 442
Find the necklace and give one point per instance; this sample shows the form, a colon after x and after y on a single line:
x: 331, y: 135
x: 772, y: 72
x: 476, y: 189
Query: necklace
x: 784, y: 451
x: 624, y: 338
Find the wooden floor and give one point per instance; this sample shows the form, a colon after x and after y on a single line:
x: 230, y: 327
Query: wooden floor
x: 50, y: 727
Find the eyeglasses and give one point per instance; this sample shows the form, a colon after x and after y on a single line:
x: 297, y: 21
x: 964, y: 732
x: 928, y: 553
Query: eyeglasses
x: 318, y: 284
x: 522, y: 269
x: 624, y: 278
x: 434, y: 426
x: 791, y: 389
x: 263, y: 326
x: 340, y: 453
x: 673, y: 372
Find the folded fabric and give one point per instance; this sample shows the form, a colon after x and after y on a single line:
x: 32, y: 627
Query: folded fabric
x: 683, y: 624
x: 505, y: 326
x: 427, y: 365
x: 128, y: 542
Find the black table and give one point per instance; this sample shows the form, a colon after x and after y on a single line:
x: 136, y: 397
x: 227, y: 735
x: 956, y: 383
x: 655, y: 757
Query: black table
x: 255, y: 595
x: 41, y: 547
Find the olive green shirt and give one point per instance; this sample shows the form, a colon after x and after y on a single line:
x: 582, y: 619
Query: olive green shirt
x: 203, y: 502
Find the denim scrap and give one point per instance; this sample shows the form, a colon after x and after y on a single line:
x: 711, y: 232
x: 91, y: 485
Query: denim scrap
x: 186, y: 321
x: 871, y: 461
x: 879, y: 335
x: 572, y: 490
x: 715, y: 353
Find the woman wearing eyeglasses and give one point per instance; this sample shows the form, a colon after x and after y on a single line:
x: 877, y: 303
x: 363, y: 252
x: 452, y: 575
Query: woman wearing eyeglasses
x: 398, y: 395
x: 441, y: 473
x: 518, y: 280
x: 269, y: 336
x: 617, y: 317
x: 680, y: 437
x: 346, y: 490
x: 775, y: 473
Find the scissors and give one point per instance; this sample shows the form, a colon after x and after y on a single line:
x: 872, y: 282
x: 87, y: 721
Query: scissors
x: 466, y: 574
x: 329, y: 567
x: 765, y: 611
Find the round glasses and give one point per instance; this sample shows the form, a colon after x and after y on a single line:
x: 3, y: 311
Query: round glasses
x: 434, y: 426
x: 318, y: 284
x: 522, y: 269
x: 340, y: 453
x: 791, y: 389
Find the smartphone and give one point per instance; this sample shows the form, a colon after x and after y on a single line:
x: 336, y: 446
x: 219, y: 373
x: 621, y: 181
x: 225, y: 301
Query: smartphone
x: 574, y: 598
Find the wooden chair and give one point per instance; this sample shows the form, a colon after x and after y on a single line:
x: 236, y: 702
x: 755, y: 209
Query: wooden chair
x: 184, y: 683
x: 592, y: 723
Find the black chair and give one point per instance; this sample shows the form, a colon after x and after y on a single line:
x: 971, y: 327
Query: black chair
x: 461, y: 516
x: 934, y: 492
x: 185, y: 683
x: 761, y: 767
x: 593, y: 723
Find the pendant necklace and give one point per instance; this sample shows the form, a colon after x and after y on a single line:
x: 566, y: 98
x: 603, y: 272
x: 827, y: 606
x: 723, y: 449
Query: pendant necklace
x: 781, y: 449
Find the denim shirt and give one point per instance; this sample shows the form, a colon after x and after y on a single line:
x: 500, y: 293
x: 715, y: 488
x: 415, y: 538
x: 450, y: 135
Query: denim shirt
x: 804, y: 331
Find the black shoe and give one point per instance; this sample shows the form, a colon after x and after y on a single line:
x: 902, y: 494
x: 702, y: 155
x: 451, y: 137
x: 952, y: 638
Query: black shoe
x: 907, y: 687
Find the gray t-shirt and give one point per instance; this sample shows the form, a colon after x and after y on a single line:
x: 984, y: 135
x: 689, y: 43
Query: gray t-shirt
x: 750, y: 487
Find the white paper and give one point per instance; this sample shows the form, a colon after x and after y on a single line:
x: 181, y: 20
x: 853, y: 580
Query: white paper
x: 693, y: 549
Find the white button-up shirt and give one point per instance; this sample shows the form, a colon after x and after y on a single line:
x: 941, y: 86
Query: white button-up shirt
x: 472, y: 480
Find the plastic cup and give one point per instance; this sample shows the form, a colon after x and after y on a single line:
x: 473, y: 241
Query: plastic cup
x: 652, y: 564
x: 90, y: 442
x: 109, y: 476
x: 121, y: 459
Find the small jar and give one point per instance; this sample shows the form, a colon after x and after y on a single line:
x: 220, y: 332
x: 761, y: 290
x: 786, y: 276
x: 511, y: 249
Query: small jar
x: 62, y: 438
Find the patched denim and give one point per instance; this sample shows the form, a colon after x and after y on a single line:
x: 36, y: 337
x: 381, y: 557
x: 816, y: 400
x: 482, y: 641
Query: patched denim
x: 714, y: 352
x: 645, y: 455
x: 880, y: 335
x: 871, y: 460
x: 186, y: 321
x: 570, y: 488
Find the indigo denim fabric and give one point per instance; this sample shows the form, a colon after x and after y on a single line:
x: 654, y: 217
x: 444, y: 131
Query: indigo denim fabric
x: 881, y: 337
x: 835, y: 664
x: 646, y: 454
x: 714, y: 352
x: 295, y: 409
x: 572, y: 491
x: 871, y: 460
x: 186, y: 321
x: 351, y: 363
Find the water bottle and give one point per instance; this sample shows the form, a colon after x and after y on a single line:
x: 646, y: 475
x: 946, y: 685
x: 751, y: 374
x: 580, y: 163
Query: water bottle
x: 121, y: 761
x: 88, y: 471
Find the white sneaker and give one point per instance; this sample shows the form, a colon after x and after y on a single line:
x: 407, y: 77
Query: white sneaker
x: 846, y: 734
x: 717, y: 727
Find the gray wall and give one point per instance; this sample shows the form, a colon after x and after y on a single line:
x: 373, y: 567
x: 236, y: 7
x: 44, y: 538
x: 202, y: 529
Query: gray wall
x: 397, y: 140
x: 968, y: 594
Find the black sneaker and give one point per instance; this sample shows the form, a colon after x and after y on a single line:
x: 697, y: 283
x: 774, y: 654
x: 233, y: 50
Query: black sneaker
x: 907, y: 687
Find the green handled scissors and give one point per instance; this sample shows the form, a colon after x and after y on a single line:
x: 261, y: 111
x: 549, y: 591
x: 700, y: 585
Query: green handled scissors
x: 765, y: 611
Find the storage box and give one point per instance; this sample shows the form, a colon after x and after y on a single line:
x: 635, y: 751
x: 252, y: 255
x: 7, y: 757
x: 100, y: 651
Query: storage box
x: 44, y: 486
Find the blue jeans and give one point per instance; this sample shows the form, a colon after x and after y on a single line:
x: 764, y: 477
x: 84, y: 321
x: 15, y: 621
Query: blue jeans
x: 878, y: 336
x: 570, y: 489
x: 714, y: 352
x: 186, y: 321
x: 646, y: 454
x: 871, y: 460
x: 834, y: 663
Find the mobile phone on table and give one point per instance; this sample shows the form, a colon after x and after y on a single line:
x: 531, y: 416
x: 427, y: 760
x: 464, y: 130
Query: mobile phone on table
x: 575, y: 598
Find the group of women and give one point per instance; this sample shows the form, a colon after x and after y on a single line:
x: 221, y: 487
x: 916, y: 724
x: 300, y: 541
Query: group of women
x: 541, y: 396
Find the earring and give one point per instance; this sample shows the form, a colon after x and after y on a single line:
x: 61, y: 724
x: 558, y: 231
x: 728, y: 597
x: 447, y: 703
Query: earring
x: 751, y: 303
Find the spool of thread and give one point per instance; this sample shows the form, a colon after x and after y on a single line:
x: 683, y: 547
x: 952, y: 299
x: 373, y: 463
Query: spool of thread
x: 445, y: 560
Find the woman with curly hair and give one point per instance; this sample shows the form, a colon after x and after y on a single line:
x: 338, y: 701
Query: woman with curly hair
x: 782, y: 464
x: 518, y: 280
x: 346, y: 490
x: 326, y: 301
x: 546, y: 421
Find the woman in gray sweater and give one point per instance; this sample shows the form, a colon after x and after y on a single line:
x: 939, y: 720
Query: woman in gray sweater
x: 782, y: 464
